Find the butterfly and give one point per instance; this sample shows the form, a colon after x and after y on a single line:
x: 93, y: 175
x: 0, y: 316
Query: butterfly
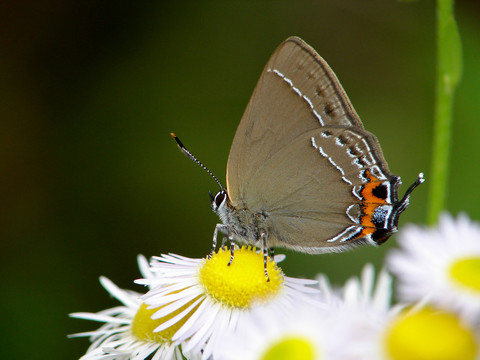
x: 303, y: 173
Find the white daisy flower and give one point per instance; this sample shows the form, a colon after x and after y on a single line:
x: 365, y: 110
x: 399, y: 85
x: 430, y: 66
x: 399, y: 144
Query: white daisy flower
x: 441, y: 265
x: 374, y: 330
x: 127, y: 332
x: 206, y: 298
x: 363, y: 313
x: 347, y: 325
x: 304, y: 333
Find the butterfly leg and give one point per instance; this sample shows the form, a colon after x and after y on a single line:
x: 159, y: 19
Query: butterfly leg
x: 271, y: 253
x: 232, y: 249
x: 265, y: 255
x: 219, y: 227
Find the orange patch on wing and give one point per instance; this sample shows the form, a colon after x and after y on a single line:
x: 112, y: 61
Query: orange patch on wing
x: 371, y: 202
x: 367, y: 191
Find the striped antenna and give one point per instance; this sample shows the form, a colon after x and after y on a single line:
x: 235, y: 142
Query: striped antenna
x: 184, y: 150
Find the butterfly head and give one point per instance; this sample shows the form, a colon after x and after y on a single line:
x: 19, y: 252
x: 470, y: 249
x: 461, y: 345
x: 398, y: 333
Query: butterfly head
x: 218, y: 201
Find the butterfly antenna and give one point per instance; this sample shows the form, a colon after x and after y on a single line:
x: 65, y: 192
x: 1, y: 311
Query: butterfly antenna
x: 184, y: 150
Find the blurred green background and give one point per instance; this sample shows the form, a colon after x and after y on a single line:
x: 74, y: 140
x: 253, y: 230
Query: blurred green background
x: 90, y: 91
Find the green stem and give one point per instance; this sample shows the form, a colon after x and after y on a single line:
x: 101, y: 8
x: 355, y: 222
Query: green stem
x: 449, y: 64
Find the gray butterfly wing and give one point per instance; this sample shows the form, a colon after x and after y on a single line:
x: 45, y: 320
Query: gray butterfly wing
x: 273, y: 166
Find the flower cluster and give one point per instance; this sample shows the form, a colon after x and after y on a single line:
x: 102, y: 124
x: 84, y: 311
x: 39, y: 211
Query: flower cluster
x: 207, y: 309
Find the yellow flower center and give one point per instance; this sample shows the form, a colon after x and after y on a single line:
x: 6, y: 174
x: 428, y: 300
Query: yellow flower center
x: 143, y: 325
x: 243, y: 282
x: 291, y: 348
x: 430, y: 335
x: 467, y: 273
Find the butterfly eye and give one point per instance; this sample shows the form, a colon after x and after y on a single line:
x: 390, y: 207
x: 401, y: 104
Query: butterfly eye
x: 220, y: 198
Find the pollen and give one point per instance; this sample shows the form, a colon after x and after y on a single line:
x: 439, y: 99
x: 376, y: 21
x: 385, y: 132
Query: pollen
x: 466, y: 272
x: 143, y: 326
x: 242, y: 283
x: 430, y: 335
x: 291, y: 348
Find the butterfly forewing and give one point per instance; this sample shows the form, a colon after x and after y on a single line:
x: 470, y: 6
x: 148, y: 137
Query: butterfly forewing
x: 297, y: 92
x: 298, y: 152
